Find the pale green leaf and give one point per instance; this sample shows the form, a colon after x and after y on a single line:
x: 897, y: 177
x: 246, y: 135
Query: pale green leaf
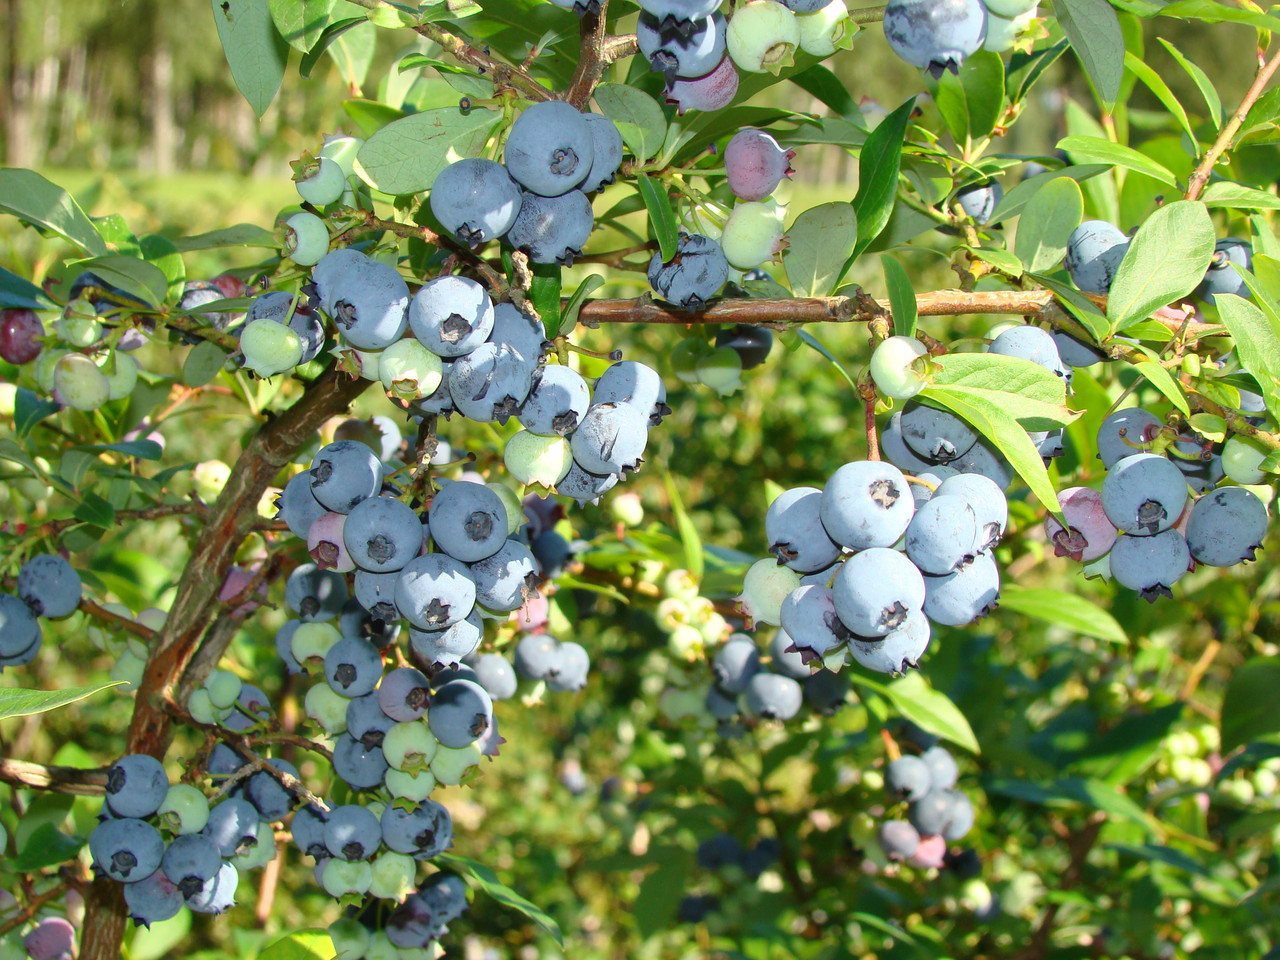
x: 820, y: 241
x: 1063, y: 609
x: 1166, y: 260
x: 1084, y: 149
x: 17, y: 702
x: 407, y: 155
x: 1047, y: 222
x: 30, y: 197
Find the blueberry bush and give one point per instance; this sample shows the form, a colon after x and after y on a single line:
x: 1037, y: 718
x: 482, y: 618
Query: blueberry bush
x: 565, y: 530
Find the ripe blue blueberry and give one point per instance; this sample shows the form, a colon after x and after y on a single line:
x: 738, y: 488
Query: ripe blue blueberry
x: 611, y: 438
x: 50, y: 586
x: 297, y: 506
x: 382, y: 534
x: 233, y: 826
x: 673, y: 55
x: 866, y: 503
x: 987, y: 500
x: 352, y: 832
x: 450, y: 645
x: 1126, y: 433
x: 219, y: 894
x: 475, y: 200
x: 809, y: 619
x: 343, y: 473
x: 451, y: 316
x: 569, y: 671
x: 468, y: 521
x: 736, y: 663
x: 607, y: 152
x: 153, y: 900
x: 979, y: 200
x: 190, y: 861
x: 793, y: 527
x: 585, y: 487
x: 490, y: 383
x: 1226, y: 527
x: 876, y: 591
x: 136, y: 786
x: 460, y: 713
x: 935, y: 434
x: 367, y: 299
x: 404, y: 694
x: 897, y: 651
x: 553, y: 229
x: 1094, y: 251
x: 495, y: 673
x: 772, y: 696
x: 693, y: 276
x: 506, y: 580
x: 898, y: 839
x: 638, y: 384
x: 907, y: 778
x: 936, y: 35
x: 127, y: 850
x: 550, y: 149
x: 1221, y: 277
x: 268, y: 795
x: 19, y: 628
x: 1031, y: 343
x: 361, y: 767
x: 353, y: 666
x: 423, y: 831
x: 557, y: 402
x: 315, y: 594
x: 1144, y: 494
x: 942, y: 535
x: 963, y: 596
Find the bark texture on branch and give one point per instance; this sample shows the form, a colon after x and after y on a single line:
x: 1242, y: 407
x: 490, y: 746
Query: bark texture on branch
x: 196, y: 606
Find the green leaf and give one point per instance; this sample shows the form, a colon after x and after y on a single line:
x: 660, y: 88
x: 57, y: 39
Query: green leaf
x: 370, y: 115
x: 1021, y: 195
x: 136, y: 277
x: 331, y: 34
x: 689, y: 539
x: 202, y: 364
x: 1093, y: 29
x: 646, y: 124
x: 1162, y: 380
x: 1166, y: 260
x: 820, y: 241
x: 1002, y: 260
x: 301, y: 22
x: 930, y: 709
x: 661, y: 217
x: 16, y: 291
x: 829, y: 89
x: 569, y: 316
x: 352, y: 52
x: 484, y: 877
x: 1063, y: 609
x: 1157, y: 86
x: 1084, y: 149
x: 41, y: 203
x: 255, y: 51
x: 96, y: 510
x: 1026, y: 68
x: 46, y: 847
x: 1236, y: 196
x: 1035, y: 386
x: 313, y: 944
x: 902, y: 298
x: 544, y: 293
x: 241, y: 235
x: 29, y: 409
x: 1248, y: 706
x: 17, y: 702
x: 972, y: 101
x: 878, y: 165
x: 1076, y: 790
x: 142, y: 449
x: 406, y: 156
x: 1200, y: 79
x: 161, y: 251
x: 987, y: 412
x: 1046, y: 224
x: 1209, y: 11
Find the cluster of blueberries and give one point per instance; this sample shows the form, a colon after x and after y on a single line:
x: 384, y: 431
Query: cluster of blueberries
x: 863, y: 565
x: 938, y: 813
x: 723, y: 853
x: 47, y: 586
x: 744, y: 684
x: 1143, y: 524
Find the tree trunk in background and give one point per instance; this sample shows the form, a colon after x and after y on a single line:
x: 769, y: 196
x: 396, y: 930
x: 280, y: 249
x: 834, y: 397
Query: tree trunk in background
x: 15, y: 99
x: 164, y: 132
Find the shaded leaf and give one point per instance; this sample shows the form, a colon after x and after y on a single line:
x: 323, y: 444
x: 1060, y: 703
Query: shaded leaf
x: 1094, y: 31
x: 820, y: 241
x: 1063, y: 609
x: 484, y: 877
x: 902, y: 298
x: 1248, y: 706
x: 1047, y: 222
x: 661, y: 217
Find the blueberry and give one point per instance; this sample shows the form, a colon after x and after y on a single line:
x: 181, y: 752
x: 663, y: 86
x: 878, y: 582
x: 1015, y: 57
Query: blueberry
x: 382, y: 534
x: 772, y: 696
x: 468, y: 521
x: 1126, y: 433
x: 269, y: 796
x: 793, y: 527
x: 20, y: 333
x: 894, y: 448
x: 233, y: 826
x: 553, y: 229
x: 423, y: 831
x: 152, y: 900
x: 607, y: 146
x: 404, y: 694
x: 934, y: 813
x: 568, y: 673
x: 714, y: 91
x: 451, y: 316
x: 866, y: 503
x: 375, y: 592
x: 1030, y: 343
x: 935, y: 35
x: 136, y: 786
x: 297, y: 506
x: 719, y: 851
x: 735, y: 664
x: 1088, y: 534
x: 693, y: 276
x: 557, y: 402
x: 876, y: 591
x: 1094, y: 251
x: 897, y: 651
x: 550, y: 149
x: 1220, y: 277
x: 535, y: 655
x: 343, y: 473
x: 361, y: 767
x: 935, y: 434
x: 693, y: 54
x: 907, y: 778
x: 219, y: 894
x: 315, y: 594
x: 353, y: 666
x: 19, y: 629
x: 809, y: 619
x: 638, y: 384
x: 678, y: 16
x: 611, y: 438
x: 1076, y: 353
x: 697, y: 907
x: 585, y: 487
x: 522, y: 332
x: 190, y: 861
x: 1226, y: 527
x: 786, y: 657
x: 127, y: 849
x: 955, y: 599
x: 942, y: 768
x: 197, y: 293
x: 826, y: 692
x: 508, y: 579
x: 495, y: 673
x: 450, y: 645
x: 460, y: 713
x: 367, y: 722
x: 982, y: 459
x: 936, y: 476
x: 898, y: 839
x: 1144, y: 494
x: 986, y: 499
x: 752, y: 344
x: 942, y: 535
x: 721, y: 705
x: 367, y: 299
x: 490, y: 383
x: 979, y: 200
x: 475, y: 200
x: 352, y: 832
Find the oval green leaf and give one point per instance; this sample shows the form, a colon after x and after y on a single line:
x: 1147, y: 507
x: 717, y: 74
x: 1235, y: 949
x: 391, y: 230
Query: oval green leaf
x: 820, y: 241
x: 1046, y: 224
x: 1166, y: 260
x: 406, y: 156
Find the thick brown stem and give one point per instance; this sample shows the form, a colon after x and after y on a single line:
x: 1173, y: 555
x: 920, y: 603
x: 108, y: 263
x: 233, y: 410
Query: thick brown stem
x: 1200, y: 176
x: 74, y: 780
x: 196, y: 604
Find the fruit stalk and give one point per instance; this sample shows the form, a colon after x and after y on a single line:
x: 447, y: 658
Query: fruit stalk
x: 1200, y: 176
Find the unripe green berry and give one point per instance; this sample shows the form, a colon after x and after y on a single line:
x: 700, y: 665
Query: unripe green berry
x: 270, y: 347
x: 764, y: 588
x: 261, y: 853
x: 408, y: 370
x: 511, y: 500
x: 341, y: 877
x: 209, y: 478
x: 409, y: 746
x: 185, y: 809
x: 532, y: 459
x: 684, y: 358
x: 825, y: 31
x: 1241, y: 458
x: 721, y: 370
x: 410, y: 786
x: 326, y: 707
x: 342, y: 150
x: 762, y: 37
x: 753, y: 233
x: 44, y: 366
x: 312, y: 641
x: 626, y: 509
x: 223, y: 686
x: 350, y: 938
x: 686, y: 642
x: 78, y: 383
x: 322, y: 182
x: 129, y: 668
x: 450, y: 764
x: 897, y: 369
x: 306, y: 239
x: 121, y: 371
x: 78, y: 326
x: 393, y: 875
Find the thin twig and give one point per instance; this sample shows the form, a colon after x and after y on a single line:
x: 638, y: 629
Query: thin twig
x: 1200, y: 176
x: 37, y: 776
